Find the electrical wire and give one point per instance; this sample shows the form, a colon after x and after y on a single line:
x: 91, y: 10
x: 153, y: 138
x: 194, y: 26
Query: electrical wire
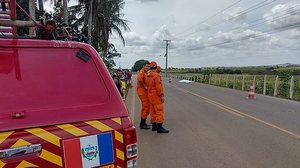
x: 248, y: 10
x: 276, y: 30
x: 210, y: 17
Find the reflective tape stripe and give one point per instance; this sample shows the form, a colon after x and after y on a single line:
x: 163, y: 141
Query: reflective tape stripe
x: 51, y: 157
x: 26, y: 164
x: 108, y: 166
x: 99, y: 126
x: 2, y: 164
x: 118, y: 136
x: 120, y: 154
x: 5, y: 135
x: 20, y: 142
x: 117, y: 120
x: 45, y: 135
x: 72, y: 129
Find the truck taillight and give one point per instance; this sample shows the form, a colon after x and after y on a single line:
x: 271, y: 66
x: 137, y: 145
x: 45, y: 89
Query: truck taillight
x: 131, y: 147
x: 130, y: 135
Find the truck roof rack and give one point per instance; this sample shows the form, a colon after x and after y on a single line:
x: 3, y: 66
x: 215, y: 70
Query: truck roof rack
x: 48, y: 29
x: 8, y: 19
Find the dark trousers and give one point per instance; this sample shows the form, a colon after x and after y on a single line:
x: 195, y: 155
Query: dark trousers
x: 3, y: 6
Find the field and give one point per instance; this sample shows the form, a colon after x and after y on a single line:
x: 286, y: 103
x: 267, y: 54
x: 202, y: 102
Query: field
x: 285, y: 86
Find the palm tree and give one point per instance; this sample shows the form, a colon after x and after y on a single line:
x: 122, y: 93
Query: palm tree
x: 106, y: 19
x: 65, y: 8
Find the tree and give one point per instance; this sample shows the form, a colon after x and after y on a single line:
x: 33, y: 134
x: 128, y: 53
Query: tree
x: 106, y: 19
x: 284, y: 76
x: 73, y: 11
x: 138, y: 65
x: 109, y: 59
x: 65, y: 8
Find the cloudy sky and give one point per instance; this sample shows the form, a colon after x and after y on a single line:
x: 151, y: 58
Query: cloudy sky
x: 211, y: 33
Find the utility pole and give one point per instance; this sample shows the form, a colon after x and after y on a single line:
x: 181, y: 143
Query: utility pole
x: 32, y: 4
x: 167, y: 46
x: 90, y: 24
x: 65, y: 11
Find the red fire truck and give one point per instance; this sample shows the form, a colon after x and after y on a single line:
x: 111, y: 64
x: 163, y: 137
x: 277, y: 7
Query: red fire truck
x: 59, y: 106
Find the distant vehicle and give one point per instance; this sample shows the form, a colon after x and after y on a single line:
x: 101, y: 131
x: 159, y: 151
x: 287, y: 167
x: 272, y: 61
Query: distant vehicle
x: 60, y: 108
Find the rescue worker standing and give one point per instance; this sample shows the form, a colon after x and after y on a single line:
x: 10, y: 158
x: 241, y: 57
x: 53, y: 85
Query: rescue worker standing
x: 142, y: 93
x: 158, y: 69
x: 116, y: 77
x: 156, y: 98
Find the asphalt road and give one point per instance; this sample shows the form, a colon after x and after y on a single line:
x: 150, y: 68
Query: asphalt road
x: 214, y: 127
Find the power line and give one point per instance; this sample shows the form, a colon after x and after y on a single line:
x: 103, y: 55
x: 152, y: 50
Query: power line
x: 210, y: 17
x: 275, y: 14
x: 265, y: 21
x: 250, y: 9
x: 276, y: 30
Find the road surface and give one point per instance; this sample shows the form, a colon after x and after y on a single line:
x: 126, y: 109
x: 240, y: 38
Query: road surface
x: 214, y: 127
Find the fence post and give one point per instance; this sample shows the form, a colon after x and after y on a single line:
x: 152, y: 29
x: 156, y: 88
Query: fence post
x: 227, y: 77
x: 276, y: 86
x: 254, y: 82
x: 243, y: 83
x: 197, y: 78
x: 292, y: 87
x: 265, y: 85
x: 194, y: 78
x: 215, y: 80
x: 209, y: 79
x: 234, y: 76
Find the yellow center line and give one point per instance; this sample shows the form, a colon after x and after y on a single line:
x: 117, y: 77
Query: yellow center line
x: 236, y: 112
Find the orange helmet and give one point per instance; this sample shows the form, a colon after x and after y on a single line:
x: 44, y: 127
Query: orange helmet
x: 153, y: 64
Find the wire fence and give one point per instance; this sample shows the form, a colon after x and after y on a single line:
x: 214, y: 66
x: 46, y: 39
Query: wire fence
x: 271, y: 85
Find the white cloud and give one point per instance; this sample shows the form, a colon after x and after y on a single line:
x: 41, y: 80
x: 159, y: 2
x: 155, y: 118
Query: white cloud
x: 234, y: 39
x: 141, y: 47
x: 162, y: 33
x: 189, y: 44
x: 243, y: 45
x: 235, y: 15
x: 283, y: 15
x: 159, y: 35
x: 132, y: 38
x: 203, y: 27
x: 295, y: 33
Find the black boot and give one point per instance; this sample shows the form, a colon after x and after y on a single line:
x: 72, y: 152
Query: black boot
x: 161, y: 129
x: 154, y: 127
x: 143, y: 124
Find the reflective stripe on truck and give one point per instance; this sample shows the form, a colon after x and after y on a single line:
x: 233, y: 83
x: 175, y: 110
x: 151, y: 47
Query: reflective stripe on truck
x: 107, y: 134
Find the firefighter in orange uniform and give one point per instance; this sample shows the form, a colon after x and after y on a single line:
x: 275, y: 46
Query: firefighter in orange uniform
x: 142, y: 93
x: 156, y: 98
x: 158, y: 69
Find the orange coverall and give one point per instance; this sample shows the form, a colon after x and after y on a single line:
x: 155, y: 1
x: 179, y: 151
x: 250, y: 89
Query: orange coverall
x: 142, y: 93
x: 155, y: 94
